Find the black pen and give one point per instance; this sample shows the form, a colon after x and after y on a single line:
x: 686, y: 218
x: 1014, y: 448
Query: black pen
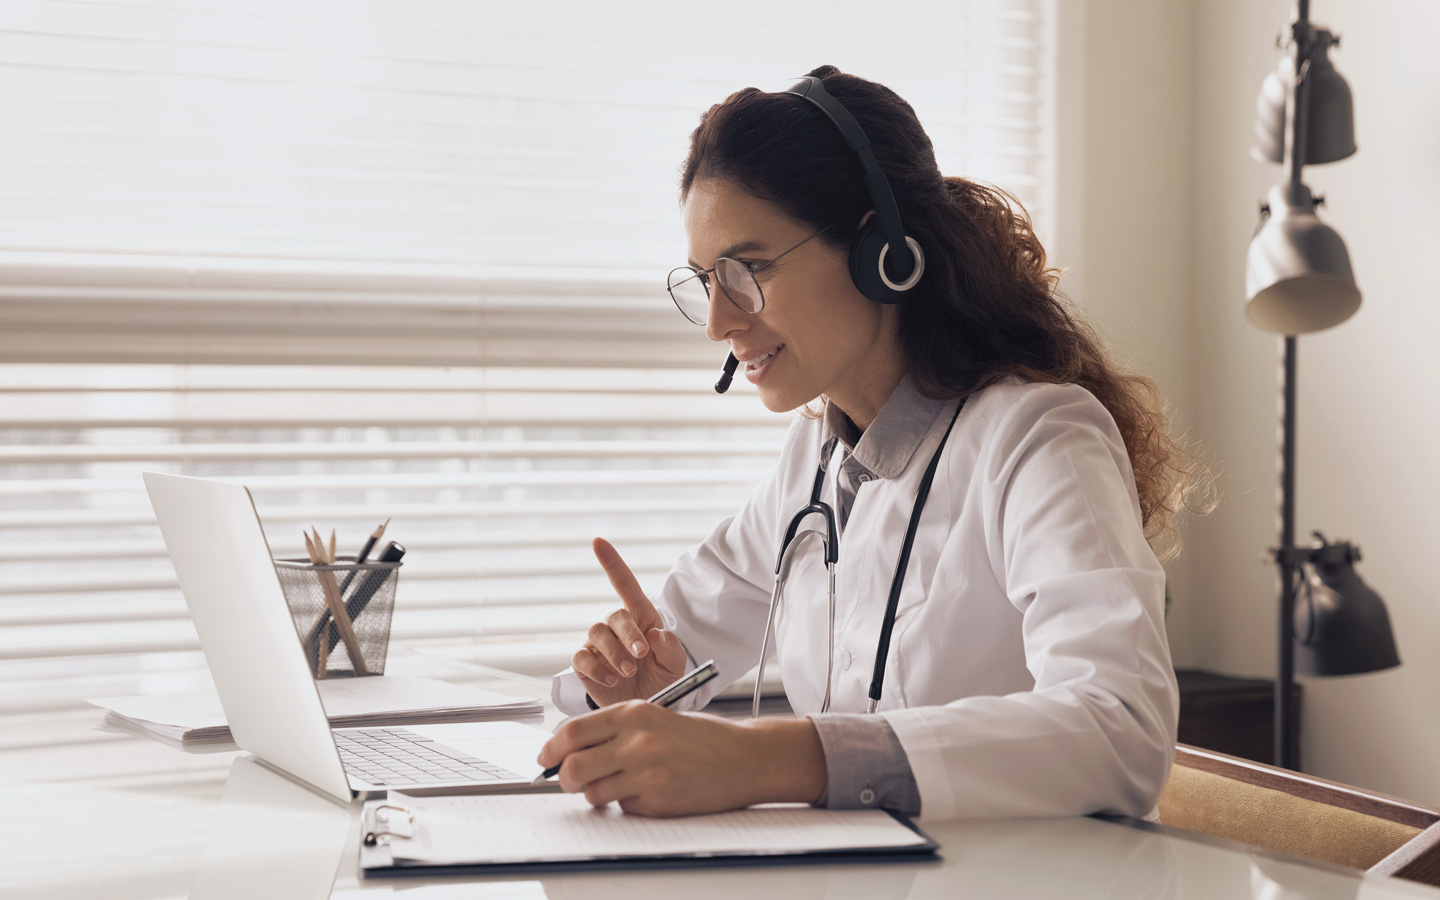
x: 666, y: 697
x: 360, y: 597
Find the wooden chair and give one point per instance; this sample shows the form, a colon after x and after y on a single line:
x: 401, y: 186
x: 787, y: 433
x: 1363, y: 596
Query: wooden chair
x: 1277, y: 809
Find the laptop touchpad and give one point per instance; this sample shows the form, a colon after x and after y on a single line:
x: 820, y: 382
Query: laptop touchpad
x: 508, y: 744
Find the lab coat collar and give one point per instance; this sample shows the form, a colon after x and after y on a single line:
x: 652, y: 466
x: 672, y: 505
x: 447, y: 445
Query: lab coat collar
x: 886, y: 447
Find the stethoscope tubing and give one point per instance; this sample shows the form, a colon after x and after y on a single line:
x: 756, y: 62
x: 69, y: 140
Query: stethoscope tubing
x: 781, y: 577
x: 892, y: 603
x: 832, y: 555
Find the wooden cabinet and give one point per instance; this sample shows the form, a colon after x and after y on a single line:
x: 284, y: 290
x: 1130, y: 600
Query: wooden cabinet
x: 1230, y: 714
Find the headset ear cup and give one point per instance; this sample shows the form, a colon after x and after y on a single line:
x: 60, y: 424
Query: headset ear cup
x: 865, y: 253
x: 865, y: 264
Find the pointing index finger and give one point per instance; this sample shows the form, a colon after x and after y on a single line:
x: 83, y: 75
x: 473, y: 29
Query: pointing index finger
x: 626, y: 585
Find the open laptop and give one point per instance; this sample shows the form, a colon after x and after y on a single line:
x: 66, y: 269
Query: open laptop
x: 269, y: 696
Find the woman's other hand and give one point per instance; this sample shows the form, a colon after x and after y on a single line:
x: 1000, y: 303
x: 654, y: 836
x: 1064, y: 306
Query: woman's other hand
x: 657, y: 762
x: 628, y: 656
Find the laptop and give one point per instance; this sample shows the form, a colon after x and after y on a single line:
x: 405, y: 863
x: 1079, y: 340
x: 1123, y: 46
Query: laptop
x: 270, y: 700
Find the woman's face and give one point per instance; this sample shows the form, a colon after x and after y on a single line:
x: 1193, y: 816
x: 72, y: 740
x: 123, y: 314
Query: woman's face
x: 817, y: 334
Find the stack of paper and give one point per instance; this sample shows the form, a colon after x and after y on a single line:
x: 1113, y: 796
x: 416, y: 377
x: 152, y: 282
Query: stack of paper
x: 196, y: 719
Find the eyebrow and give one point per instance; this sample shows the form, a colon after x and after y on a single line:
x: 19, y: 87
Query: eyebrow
x: 742, y: 247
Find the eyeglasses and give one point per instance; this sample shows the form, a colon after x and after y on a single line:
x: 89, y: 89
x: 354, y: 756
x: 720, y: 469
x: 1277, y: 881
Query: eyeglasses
x: 690, y: 287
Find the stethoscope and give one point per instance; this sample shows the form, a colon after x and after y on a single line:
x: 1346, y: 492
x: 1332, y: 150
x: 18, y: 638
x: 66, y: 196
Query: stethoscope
x: 832, y: 556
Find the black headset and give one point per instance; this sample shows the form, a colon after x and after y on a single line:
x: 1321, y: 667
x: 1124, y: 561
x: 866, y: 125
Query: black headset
x: 880, y: 273
x: 872, y: 265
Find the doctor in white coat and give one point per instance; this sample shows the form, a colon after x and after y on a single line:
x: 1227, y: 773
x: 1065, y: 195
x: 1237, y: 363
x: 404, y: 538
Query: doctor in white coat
x: 1025, y: 669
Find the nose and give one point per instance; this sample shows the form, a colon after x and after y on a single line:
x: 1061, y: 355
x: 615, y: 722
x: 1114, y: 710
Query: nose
x: 724, y: 318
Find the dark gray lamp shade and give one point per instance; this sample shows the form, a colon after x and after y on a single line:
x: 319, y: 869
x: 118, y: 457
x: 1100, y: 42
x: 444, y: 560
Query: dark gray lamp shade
x: 1297, y: 274
x: 1330, y: 116
x: 1341, y: 625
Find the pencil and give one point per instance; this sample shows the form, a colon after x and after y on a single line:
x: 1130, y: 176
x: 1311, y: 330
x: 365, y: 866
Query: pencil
x: 369, y: 545
x: 314, y: 649
x: 321, y: 621
x: 337, y: 607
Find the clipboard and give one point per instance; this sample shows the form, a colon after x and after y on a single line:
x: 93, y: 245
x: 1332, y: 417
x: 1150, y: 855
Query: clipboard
x: 519, y: 834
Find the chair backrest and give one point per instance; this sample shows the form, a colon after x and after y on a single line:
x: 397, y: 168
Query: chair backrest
x: 1277, y: 809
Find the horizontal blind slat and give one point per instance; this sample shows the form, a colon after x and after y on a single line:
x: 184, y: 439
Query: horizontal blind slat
x: 558, y: 536
x: 440, y: 511
x: 79, y: 454
x: 398, y: 482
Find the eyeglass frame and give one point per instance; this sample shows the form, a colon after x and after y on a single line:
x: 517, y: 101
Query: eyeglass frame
x: 705, y: 274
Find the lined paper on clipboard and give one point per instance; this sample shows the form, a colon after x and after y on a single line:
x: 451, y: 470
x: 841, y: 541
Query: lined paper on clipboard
x: 557, y: 829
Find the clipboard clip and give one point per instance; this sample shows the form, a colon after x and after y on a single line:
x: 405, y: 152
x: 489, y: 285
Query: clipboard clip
x: 386, y: 821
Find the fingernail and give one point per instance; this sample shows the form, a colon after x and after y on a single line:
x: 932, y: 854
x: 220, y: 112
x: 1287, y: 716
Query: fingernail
x: 663, y: 637
x: 610, y: 680
x: 638, y: 647
x: 627, y: 669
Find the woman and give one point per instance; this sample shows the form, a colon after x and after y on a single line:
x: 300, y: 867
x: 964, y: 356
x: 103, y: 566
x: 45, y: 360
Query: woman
x: 1027, y: 672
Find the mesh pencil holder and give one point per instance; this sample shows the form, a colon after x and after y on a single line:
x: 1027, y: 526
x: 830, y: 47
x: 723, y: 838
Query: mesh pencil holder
x: 365, y: 591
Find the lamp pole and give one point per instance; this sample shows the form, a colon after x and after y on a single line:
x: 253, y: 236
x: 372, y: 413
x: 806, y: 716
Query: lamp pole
x: 1297, y: 280
x: 1285, y: 750
x: 1297, y: 108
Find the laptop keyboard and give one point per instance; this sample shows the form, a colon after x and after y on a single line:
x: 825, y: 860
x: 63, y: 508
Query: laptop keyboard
x: 396, y: 756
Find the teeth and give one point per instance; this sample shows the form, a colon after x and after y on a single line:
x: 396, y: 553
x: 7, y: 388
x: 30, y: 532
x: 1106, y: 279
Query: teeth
x: 759, y: 361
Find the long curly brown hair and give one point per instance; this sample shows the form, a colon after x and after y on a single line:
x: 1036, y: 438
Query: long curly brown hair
x: 988, y: 307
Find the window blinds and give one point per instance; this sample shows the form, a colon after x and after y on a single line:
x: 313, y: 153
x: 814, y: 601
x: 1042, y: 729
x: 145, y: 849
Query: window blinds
x: 395, y: 259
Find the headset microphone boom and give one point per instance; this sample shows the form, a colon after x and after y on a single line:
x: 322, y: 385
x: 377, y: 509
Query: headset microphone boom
x: 731, y: 364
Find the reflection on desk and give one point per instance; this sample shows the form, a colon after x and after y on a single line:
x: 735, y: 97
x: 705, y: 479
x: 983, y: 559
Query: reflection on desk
x: 272, y: 839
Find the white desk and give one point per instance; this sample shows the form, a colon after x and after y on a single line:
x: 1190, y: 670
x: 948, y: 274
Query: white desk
x: 87, y: 814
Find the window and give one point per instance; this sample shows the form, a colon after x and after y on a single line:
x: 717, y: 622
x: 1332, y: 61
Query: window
x: 394, y: 259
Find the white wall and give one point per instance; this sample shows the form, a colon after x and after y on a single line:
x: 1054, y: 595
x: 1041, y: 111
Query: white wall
x: 1126, y: 230
x: 1161, y: 101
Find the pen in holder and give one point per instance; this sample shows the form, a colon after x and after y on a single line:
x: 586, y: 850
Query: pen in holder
x: 354, y: 643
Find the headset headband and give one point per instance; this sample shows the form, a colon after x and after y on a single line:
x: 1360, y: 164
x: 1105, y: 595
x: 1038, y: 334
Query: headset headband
x: 811, y: 88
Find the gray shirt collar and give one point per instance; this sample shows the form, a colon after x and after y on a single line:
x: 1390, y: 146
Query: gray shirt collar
x: 886, y: 447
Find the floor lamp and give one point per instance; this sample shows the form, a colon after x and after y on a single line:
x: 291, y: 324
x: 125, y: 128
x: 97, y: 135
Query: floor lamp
x: 1298, y: 280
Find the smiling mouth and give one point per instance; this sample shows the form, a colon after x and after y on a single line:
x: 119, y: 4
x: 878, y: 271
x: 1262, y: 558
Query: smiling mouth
x: 760, y: 361
x: 757, y: 370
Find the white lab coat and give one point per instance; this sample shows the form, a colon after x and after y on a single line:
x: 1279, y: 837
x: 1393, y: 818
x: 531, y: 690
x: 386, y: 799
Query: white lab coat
x: 1029, y: 672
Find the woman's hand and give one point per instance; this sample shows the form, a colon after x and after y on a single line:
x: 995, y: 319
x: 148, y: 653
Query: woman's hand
x: 629, y: 656
x: 657, y: 762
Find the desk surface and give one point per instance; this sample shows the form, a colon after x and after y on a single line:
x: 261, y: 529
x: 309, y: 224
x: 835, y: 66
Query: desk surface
x: 86, y: 813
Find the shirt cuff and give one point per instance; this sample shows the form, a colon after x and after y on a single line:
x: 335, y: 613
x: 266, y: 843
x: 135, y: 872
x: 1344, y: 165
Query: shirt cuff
x: 867, y: 767
x: 568, y: 694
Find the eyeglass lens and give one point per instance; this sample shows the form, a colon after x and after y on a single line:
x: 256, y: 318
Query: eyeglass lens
x: 691, y: 296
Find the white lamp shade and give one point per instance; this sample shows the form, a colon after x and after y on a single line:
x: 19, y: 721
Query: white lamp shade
x: 1297, y: 274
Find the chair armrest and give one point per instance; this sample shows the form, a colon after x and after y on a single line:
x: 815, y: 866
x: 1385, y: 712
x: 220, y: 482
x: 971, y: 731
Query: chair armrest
x: 1418, y: 859
x: 1321, y: 790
